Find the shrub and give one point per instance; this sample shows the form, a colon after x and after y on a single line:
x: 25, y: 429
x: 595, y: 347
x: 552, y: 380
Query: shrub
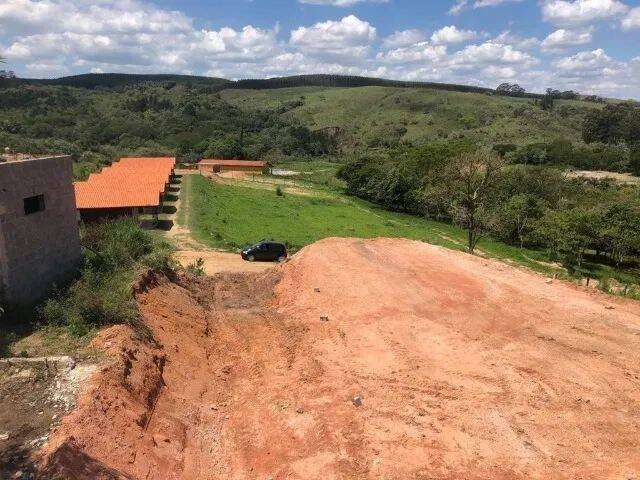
x: 279, y: 191
x: 503, y: 148
x: 634, y: 160
x: 114, y: 252
x: 196, y: 268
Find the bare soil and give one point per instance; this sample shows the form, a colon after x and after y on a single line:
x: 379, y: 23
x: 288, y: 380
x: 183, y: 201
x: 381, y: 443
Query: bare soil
x: 364, y: 359
x: 34, y: 394
x: 601, y: 175
x: 216, y: 261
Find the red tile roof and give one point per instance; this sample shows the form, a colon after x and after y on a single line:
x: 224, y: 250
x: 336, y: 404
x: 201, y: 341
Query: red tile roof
x: 233, y: 163
x: 131, y: 182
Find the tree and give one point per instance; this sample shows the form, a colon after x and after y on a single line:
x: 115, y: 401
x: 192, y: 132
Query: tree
x: 471, y: 179
x: 613, y: 123
x: 546, y: 102
x: 620, y: 231
x: 569, y: 233
x: 517, y: 217
x: 510, y: 90
x: 634, y: 160
x: 566, y: 95
x: 6, y: 73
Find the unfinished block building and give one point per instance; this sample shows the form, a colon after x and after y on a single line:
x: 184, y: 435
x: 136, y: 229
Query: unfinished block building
x: 39, y: 239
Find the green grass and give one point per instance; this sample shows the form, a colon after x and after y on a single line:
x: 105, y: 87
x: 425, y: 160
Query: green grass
x: 233, y: 216
x: 316, y: 173
x: 367, y: 115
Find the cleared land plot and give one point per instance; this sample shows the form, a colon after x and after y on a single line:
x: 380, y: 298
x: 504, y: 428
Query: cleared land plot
x: 429, y: 364
x: 231, y: 216
x: 601, y: 175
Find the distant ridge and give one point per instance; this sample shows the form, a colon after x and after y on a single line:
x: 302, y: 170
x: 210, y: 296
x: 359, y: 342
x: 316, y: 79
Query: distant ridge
x: 348, y: 81
x: 117, y: 80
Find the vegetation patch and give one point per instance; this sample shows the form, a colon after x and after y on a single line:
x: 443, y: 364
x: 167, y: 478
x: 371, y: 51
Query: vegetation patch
x: 231, y: 217
x: 115, y: 252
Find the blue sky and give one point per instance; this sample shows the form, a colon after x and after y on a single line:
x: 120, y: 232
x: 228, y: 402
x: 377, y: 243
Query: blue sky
x: 588, y: 45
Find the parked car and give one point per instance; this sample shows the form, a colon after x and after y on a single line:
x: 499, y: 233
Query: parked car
x: 265, y: 251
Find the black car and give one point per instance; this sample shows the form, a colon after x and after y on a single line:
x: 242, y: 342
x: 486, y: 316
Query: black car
x: 265, y: 251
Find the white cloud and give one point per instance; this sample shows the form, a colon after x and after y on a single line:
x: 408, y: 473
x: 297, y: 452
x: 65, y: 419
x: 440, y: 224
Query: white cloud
x: 460, y: 5
x: 587, y: 64
x: 492, y: 53
x: 596, y: 72
x: 349, y: 37
x: 563, y: 38
x: 48, y: 38
x: 79, y: 16
x: 419, y: 52
x: 452, y: 34
x: 404, y: 38
x: 632, y: 20
x: 580, y: 12
x: 491, y: 3
x: 522, y: 43
x: 340, y: 3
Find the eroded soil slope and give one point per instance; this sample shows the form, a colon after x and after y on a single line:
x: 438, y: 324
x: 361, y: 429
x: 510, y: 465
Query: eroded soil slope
x: 365, y: 359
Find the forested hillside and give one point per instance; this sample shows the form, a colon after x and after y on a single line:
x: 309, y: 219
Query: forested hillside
x: 114, y: 80
x: 97, y: 126
x: 98, y: 117
x: 372, y: 117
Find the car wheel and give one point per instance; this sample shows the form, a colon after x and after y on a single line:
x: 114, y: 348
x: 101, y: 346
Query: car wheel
x: 281, y: 259
x: 251, y: 258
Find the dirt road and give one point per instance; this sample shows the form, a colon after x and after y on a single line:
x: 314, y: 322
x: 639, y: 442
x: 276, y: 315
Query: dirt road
x: 394, y: 359
x: 220, y: 262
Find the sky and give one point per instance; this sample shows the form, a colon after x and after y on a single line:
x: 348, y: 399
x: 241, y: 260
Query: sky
x: 592, y: 46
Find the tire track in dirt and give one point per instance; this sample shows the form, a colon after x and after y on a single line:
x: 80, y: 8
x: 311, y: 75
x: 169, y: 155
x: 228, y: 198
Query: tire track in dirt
x: 430, y: 364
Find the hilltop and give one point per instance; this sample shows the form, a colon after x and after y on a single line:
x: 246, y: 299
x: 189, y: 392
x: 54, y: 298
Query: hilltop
x: 115, y: 80
x: 382, y: 116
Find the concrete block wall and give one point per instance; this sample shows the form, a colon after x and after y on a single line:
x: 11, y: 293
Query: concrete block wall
x: 42, y: 248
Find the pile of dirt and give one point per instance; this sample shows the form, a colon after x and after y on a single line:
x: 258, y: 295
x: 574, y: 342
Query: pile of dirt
x: 364, y: 359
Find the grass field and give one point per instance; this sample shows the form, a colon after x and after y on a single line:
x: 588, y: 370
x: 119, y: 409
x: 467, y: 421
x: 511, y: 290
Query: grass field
x: 233, y: 216
x: 371, y: 116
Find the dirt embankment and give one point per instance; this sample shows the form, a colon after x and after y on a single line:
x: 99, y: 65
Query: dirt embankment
x: 393, y: 359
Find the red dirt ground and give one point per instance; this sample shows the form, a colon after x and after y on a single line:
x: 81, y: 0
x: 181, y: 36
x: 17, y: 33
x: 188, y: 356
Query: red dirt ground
x: 365, y: 359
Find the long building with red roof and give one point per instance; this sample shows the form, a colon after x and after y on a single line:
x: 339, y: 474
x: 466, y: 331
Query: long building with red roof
x: 210, y: 166
x: 129, y: 187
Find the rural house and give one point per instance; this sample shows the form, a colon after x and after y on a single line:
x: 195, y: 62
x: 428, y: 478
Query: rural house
x: 210, y: 166
x: 129, y: 187
x: 39, y: 238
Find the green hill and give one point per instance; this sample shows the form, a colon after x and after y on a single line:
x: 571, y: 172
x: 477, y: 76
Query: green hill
x: 362, y: 112
x: 115, y: 80
x: 98, y: 117
x: 374, y: 116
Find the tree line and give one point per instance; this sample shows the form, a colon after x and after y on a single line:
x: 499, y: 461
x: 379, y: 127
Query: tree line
x: 150, y: 119
x: 524, y: 205
x: 120, y: 80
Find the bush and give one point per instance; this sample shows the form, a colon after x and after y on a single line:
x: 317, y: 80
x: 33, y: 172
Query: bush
x: 196, y: 268
x: 115, y: 251
x: 634, y: 160
x: 597, y: 156
x: 503, y: 148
